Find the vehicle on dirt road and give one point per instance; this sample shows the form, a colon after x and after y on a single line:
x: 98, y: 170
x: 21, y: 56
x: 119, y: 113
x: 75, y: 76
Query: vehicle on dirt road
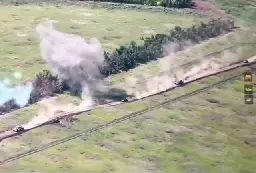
x: 18, y: 129
x: 56, y: 120
x: 124, y: 100
x: 179, y: 83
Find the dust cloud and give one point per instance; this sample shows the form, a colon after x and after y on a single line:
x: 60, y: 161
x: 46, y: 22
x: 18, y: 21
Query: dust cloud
x: 76, y: 61
x: 72, y: 58
x: 164, y: 81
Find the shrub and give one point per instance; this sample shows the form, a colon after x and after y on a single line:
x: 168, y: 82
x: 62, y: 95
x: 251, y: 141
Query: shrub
x: 8, y: 106
x: 163, y: 3
x: 46, y: 85
x: 177, y: 3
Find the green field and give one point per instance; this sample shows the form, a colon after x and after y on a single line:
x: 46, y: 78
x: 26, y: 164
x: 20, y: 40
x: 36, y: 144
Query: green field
x: 19, y: 48
x: 201, y: 134
x: 243, y: 11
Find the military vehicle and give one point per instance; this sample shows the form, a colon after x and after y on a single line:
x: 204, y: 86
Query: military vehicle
x: 18, y: 129
x: 179, y: 83
x: 124, y: 100
x: 56, y: 120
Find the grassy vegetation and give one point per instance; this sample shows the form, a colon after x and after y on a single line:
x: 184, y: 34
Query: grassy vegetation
x: 244, y: 11
x: 204, y: 133
x: 19, y: 48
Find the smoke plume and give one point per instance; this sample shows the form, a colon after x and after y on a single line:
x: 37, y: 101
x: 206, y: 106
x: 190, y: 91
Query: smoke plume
x: 76, y: 61
x: 72, y: 58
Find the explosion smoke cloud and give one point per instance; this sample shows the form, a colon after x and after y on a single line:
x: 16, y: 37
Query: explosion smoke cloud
x: 72, y: 58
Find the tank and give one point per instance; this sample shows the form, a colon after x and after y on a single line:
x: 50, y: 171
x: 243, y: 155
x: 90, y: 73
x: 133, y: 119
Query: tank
x: 179, y: 83
x: 56, y: 120
x: 18, y: 129
x: 124, y: 100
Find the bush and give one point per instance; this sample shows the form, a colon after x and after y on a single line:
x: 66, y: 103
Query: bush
x: 122, y: 1
x: 46, y: 85
x: 177, y: 3
x: 164, y: 3
x: 8, y: 106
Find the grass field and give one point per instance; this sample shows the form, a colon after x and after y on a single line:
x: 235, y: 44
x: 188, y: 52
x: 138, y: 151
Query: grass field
x: 204, y: 133
x: 19, y: 47
x: 242, y: 10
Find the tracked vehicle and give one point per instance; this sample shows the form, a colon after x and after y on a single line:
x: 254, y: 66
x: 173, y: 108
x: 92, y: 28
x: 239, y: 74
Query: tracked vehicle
x: 124, y: 100
x: 179, y: 83
x: 18, y: 129
x: 56, y: 120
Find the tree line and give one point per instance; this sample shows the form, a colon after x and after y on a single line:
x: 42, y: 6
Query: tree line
x: 163, y: 3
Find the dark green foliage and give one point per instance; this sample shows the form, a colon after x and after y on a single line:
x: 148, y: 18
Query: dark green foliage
x: 124, y: 1
x: 163, y: 3
x: 128, y: 57
x: 176, y: 3
x: 34, y: 96
x: 8, y: 106
x: 46, y: 85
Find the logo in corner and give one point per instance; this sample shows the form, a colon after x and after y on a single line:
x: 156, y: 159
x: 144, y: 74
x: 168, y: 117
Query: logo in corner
x: 248, y: 76
x: 248, y: 99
